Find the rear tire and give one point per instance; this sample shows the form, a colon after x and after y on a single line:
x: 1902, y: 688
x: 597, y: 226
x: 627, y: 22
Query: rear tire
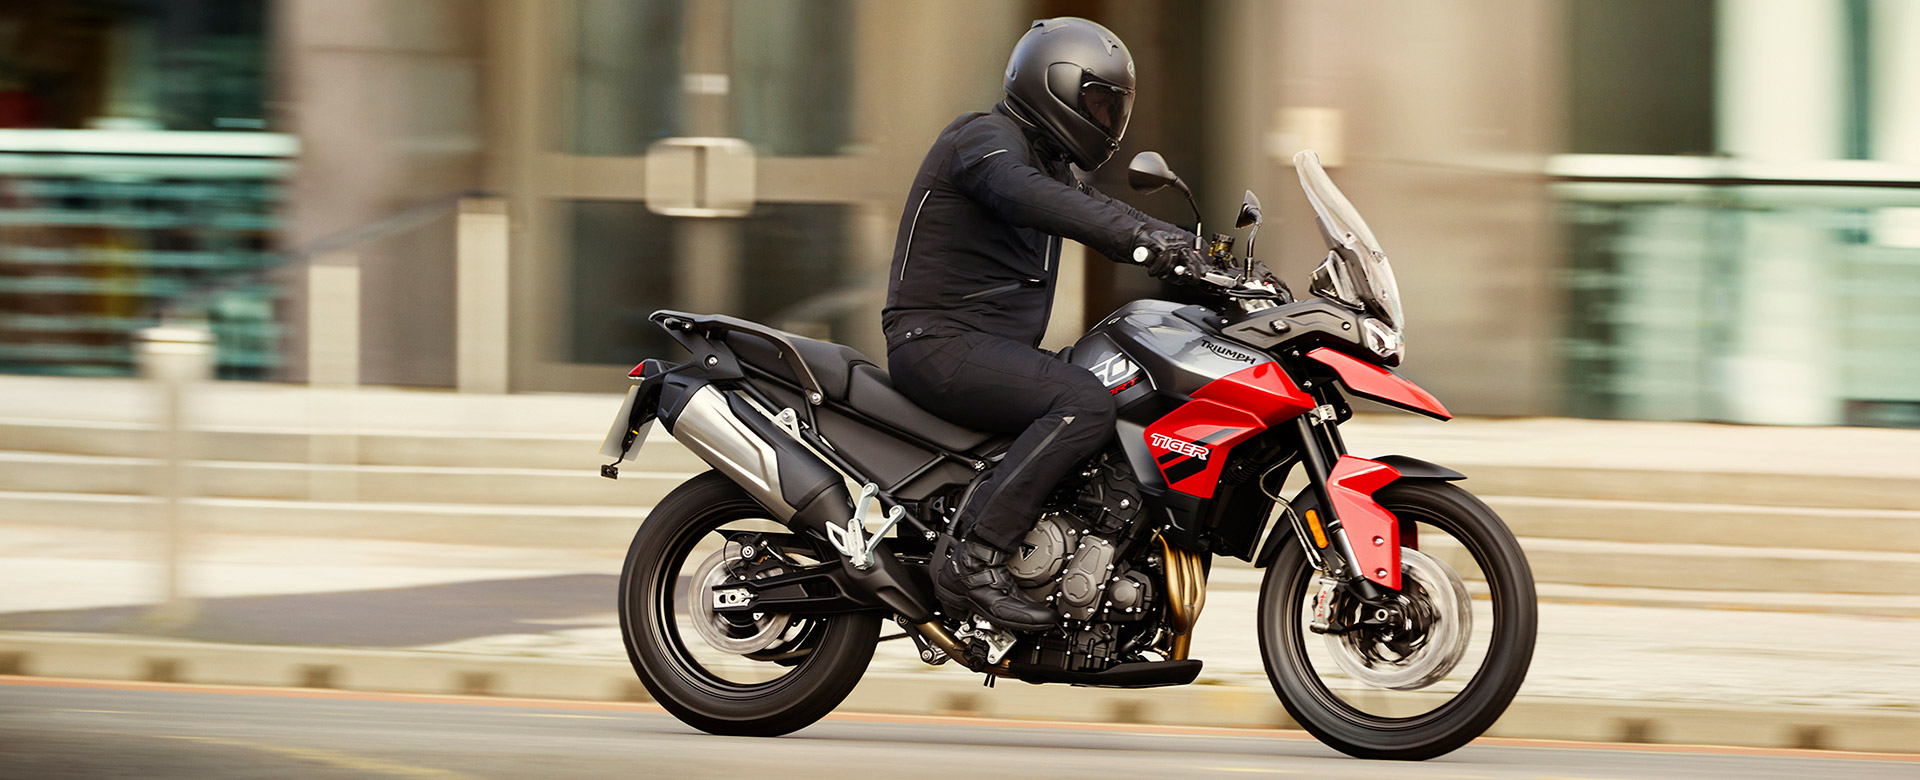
x: 806, y: 692
x: 1468, y: 714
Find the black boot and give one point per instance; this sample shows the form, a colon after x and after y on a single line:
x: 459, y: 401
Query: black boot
x: 975, y: 579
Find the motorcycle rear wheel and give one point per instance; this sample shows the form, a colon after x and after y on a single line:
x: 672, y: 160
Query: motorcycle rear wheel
x: 811, y: 675
x: 1476, y: 536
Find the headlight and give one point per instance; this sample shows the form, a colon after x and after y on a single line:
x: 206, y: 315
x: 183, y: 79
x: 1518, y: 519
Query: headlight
x: 1382, y: 340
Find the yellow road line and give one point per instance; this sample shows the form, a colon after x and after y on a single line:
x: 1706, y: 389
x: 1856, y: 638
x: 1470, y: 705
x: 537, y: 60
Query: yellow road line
x: 341, y: 760
x: 562, y: 715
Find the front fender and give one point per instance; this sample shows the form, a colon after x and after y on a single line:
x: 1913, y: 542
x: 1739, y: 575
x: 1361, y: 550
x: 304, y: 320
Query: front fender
x: 1406, y: 467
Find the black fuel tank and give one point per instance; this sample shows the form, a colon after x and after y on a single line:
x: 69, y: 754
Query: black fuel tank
x: 1150, y: 345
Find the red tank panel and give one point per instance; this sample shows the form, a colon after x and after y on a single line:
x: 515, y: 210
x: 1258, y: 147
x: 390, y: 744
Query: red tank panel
x: 1263, y: 389
x: 1191, y: 443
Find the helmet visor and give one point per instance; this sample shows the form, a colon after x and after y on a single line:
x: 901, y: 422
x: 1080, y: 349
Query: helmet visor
x: 1107, y: 106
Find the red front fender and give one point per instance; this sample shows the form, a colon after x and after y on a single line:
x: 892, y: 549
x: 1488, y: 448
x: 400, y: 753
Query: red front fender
x: 1371, y: 529
x: 1373, y: 382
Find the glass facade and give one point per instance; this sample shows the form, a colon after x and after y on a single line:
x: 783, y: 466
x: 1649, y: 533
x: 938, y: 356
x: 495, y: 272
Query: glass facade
x: 626, y: 75
x: 623, y: 269
x: 789, y: 262
x: 792, y: 75
x: 1773, y: 282
x: 134, y: 180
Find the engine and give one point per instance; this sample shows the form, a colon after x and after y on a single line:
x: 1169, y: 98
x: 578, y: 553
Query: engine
x: 1086, y: 558
x: 1064, y: 562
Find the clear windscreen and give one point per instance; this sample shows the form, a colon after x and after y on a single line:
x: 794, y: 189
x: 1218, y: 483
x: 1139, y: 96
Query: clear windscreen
x: 1360, y: 276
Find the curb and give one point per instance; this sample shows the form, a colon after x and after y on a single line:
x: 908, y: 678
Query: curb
x: 932, y: 693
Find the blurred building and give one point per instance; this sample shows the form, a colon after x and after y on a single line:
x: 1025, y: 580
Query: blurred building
x: 1661, y: 209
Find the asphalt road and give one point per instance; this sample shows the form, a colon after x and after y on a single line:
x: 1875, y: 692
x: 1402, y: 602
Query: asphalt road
x: 79, y: 729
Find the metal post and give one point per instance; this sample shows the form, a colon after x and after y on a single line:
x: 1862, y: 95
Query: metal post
x: 175, y: 358
x: 481, y: 283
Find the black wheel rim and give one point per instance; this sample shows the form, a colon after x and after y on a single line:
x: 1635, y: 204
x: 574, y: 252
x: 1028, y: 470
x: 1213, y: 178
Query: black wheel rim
x: 1293, y: 636
x: 661, y: 627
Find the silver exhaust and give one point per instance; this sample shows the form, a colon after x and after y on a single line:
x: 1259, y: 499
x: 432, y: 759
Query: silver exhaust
x: 708, y: 427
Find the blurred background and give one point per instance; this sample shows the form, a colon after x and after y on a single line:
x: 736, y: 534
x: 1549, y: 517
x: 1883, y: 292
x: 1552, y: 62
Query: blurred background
x: 1645, y: 209
x: 425, y: 236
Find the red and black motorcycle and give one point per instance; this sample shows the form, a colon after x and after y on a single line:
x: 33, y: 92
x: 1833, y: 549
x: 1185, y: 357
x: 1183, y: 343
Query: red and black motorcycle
x: 1396, y: 615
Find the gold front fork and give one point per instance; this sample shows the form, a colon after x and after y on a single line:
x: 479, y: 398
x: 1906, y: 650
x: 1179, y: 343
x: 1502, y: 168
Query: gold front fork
x: 1186, y: 593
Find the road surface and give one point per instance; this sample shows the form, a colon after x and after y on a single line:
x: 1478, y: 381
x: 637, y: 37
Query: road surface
x: 87, y: 729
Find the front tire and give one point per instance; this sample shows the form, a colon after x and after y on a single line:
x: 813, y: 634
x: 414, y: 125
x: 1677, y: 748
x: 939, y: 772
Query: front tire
x: 829, y: 656
x: 1372, y: 722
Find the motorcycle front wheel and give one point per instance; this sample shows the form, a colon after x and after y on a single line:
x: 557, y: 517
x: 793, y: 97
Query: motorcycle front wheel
x: 726, y: 673
x: 1425, y: 670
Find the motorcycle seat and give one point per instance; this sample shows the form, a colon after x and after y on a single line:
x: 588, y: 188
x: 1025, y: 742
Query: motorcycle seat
x: 851, y: 378
x: 871, y: 391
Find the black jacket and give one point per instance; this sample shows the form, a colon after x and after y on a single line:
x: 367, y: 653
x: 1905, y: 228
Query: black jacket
x: 979, y: 241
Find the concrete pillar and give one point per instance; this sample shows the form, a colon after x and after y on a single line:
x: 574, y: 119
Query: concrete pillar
x: 1782, y: 97
x: 1894, y: 132
x: 1782, y: 79
x: 333, y: 321
x: 1068, y: 322
x: 175, y: 358
x: 333, y: 371
x: 481, y: 234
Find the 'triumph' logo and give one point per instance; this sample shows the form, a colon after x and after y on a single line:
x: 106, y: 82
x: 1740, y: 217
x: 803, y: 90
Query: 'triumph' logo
x: 1230, y: 354
x: 1170, y: 444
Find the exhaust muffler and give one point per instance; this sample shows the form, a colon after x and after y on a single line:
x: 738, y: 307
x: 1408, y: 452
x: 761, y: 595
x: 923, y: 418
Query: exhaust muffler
x: 800, y: 489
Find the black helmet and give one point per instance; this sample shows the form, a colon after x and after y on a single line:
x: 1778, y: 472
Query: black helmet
x: 1074, y: 79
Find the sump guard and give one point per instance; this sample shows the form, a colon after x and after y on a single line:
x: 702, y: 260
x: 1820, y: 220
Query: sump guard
x: 1371, y: 529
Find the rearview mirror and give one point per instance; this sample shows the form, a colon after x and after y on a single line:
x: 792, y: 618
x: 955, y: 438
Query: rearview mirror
x: 1249, y: 211
x: 1149, y: 173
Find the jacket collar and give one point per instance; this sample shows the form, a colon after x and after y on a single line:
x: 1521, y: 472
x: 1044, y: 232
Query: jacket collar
x: 1043, y: 146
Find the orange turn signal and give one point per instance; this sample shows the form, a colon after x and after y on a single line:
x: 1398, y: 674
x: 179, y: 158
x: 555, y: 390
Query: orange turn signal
x: 1319, y: 534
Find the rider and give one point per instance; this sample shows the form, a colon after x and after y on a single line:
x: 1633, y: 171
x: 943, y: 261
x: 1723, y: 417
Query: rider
x: 972, y: 284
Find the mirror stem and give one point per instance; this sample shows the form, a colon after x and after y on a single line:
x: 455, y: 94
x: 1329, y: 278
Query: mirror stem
x: 1199, y: 239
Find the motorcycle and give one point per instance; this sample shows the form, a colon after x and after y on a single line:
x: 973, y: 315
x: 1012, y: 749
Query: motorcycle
x: 1396, y: 614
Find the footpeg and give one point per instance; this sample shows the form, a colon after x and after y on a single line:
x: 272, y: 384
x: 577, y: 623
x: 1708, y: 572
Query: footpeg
x: 998, y: 642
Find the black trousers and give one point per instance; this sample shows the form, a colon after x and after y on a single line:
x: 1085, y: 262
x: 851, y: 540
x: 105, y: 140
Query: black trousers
x: 1061, y: 413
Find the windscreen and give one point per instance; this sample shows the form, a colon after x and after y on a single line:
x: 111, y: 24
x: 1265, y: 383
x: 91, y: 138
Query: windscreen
x: 1369, y: 282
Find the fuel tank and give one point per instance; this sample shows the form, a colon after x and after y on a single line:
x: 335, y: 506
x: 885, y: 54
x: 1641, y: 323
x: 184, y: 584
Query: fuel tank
x: 1150, y: 346
x: 1153, y: 355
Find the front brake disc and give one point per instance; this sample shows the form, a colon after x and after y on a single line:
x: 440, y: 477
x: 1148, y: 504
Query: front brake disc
x: 1435, y: 623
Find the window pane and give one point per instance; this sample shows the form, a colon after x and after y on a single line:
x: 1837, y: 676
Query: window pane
x: 791, y: 266
x: 623, y: 270
x: 626, y: 75
x: 794, y: 258
x: 1641, y: 77
x: 134, y: 66
x: 792, y: 79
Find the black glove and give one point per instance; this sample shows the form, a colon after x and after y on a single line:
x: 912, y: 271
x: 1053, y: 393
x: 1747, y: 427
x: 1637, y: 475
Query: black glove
x: 1163, y: 251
